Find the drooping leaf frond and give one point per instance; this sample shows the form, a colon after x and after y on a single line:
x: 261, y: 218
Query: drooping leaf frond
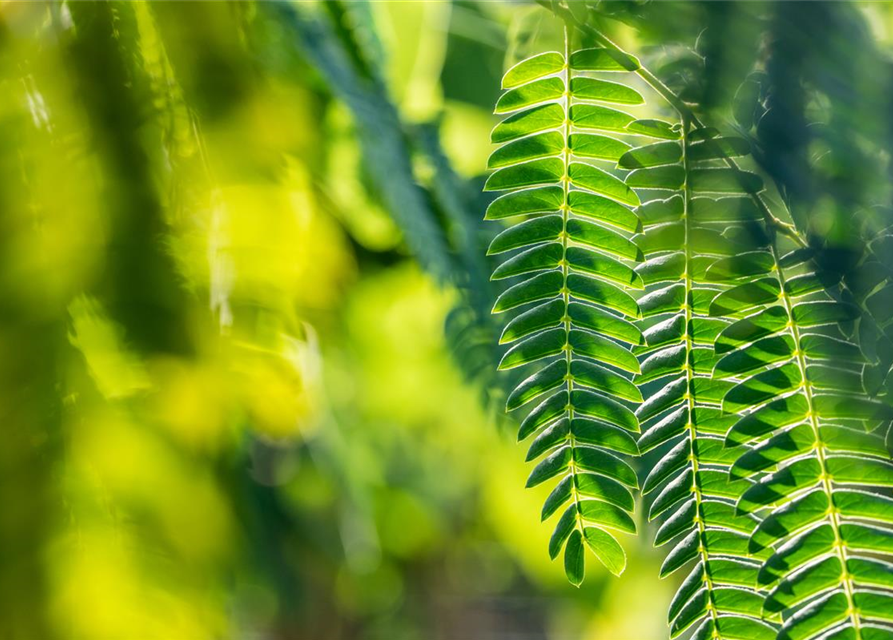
x: 802, y: 404
x: 700, y: 229
x: 569, y: 251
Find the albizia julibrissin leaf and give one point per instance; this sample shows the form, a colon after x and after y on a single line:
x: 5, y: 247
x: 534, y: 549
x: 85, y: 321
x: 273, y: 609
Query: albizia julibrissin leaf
x: 692, y: 263
x: 567, y: 258
x: 819, y: 474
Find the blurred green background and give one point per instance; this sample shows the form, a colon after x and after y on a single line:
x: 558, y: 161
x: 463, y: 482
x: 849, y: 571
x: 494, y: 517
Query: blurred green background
x: 246, y: 358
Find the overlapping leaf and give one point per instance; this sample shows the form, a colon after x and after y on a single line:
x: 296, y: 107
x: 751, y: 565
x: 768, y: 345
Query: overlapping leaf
x: 802, y: 407
x: 772, y: 483
x: 699, y: 236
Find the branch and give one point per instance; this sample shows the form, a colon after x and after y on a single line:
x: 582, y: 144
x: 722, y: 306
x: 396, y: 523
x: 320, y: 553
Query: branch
x: 682, y: 108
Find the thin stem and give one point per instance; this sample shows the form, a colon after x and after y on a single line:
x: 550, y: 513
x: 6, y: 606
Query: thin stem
x: 566, y: 321
x: 832, y: 515
x: 689, y: 386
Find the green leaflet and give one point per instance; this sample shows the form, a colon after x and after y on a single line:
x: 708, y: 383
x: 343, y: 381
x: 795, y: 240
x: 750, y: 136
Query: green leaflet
x: 539, y: 258
x: 657, y: 211
x: 606, y: 549
x: 719, y: 148
x: 535, y: 92
x: 599, y: 59
x: 591, y: 145
x: 599, y: 181
x: 653, y: 129
x: 527, y: 233
x: 527, y: 201
x: 533, y: 147
x: 574, y: 561
x: 598, y: 118
x: 534, y: 120
x: 606, y: 240
x: 533, y: 68
x: 723, y: 599
x: 745, y: 297
x: 734, y: 628
x: 604, y: 91
x: 665, y: 177
x: 652, y: 155
x: 527, y: 174
x: 759, y: 325
x: 541, y: 345
x: 591, y: 205
x: 756, y: 356
x: 571, y: 261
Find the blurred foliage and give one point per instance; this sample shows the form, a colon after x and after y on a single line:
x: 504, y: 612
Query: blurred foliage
x: 246, y: 353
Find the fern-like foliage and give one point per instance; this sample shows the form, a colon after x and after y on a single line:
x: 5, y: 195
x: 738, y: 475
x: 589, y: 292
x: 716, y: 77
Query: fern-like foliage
x: 570, y: 251
x: 802, y: 402
x: 739, y: 355
x: 700, y: 224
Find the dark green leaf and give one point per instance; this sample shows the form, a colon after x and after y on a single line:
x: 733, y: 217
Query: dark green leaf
x: 602, y: 350
x: 812, y: 314
x: 593, y: 405
x: 731, y: 209
x: 607, y: 515
x: 666, y: 177
x: 759, y: 325
x: 539, y: 258
x: 539, y: 287
x: 604, y: 435
x: 591, y: 375
x: 542, y: 345
x: 550, y: 466
x: 602, y: 293
x: 534, y: 386
x: 658, y: 211
x: 745, y: 296
x: 604, y: 488
x: 757, y: 356
x: 527, y: 233
x: 606, y: 464
x: 599, y: 321
x: 543, y: 413
x: 562, y: 532
x: 777, y: 486
x: 603, y: 267
x: 541, y: 317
